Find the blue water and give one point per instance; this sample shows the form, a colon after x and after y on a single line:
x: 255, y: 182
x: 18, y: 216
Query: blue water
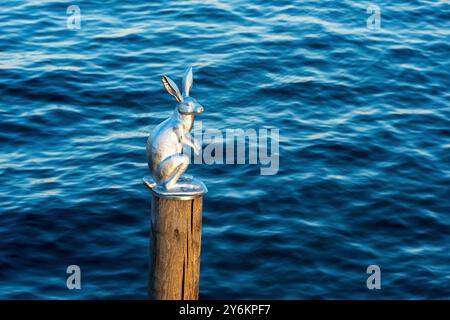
x: 364, y: 121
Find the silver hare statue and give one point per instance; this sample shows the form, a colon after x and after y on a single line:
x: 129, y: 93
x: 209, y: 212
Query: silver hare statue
x: 165, y: 156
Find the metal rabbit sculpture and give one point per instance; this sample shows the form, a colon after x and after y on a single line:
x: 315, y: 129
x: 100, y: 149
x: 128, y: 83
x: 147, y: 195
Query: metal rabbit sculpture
x: 165, y: 156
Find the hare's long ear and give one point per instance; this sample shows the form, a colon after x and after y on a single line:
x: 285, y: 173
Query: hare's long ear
x: 172, y: 88
x: 188, y: 79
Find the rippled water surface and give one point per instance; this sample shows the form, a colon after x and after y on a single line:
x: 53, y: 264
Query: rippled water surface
x: 364, y: 150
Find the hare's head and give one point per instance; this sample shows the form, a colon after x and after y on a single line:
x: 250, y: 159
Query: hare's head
x: 186, y: 104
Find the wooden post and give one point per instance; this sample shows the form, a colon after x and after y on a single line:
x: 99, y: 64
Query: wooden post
x: 175, y: 242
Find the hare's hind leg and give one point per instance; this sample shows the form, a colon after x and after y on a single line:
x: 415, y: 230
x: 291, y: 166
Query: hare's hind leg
x: 171, y: 169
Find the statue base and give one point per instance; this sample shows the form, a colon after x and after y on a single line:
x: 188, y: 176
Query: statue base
x: 187, y: 188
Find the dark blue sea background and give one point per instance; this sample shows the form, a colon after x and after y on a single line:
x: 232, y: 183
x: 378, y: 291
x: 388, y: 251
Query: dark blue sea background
x: 364, y: 150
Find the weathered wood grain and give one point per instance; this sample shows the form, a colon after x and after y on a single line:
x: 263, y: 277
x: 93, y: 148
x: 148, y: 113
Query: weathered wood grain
x: 175, y: 243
